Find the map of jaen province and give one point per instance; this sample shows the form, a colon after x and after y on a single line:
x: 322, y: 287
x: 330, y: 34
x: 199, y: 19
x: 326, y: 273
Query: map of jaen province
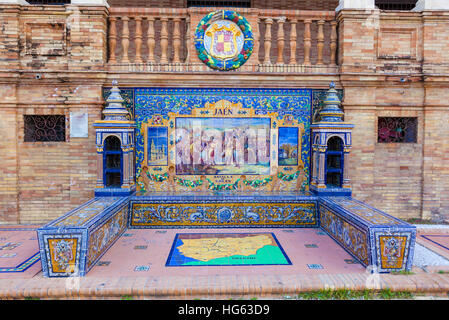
x: 226, y: 249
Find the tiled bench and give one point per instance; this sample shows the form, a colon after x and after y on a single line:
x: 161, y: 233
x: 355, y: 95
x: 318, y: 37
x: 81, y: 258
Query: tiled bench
x: 73, y: 243
x: 373, y: 237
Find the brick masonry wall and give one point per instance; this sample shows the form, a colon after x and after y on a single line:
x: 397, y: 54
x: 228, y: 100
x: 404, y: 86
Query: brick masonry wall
x: 408, y: 180
x: 54, y: 177
x: 8, y: 170
x: 42, y: 180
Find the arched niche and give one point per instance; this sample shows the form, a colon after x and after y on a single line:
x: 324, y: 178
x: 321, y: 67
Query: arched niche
x: 112, y: 162
x: 334, y: 162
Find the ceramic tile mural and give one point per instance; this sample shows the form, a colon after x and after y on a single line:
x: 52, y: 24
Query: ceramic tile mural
x: 201, y: 213
x: 157, y: 142
x: 223, y: 139
x: 288, y: 146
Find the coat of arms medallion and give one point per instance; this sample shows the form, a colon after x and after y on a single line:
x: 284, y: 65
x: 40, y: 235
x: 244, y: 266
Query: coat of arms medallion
x: 224, y: 40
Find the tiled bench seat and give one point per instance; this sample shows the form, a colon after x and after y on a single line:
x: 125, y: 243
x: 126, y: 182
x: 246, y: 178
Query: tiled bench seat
x: 73, y: 243
x: 378, y: 240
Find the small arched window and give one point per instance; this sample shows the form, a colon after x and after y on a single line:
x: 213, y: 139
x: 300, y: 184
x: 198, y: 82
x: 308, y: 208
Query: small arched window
x: 334, y: 163
x: 112, y: 162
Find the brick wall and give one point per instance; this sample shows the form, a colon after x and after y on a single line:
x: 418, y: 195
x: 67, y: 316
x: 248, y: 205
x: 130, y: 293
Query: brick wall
x: 405, y: 179
x: 55, y: 177
x: 60, y: 38
x: 41, y: 180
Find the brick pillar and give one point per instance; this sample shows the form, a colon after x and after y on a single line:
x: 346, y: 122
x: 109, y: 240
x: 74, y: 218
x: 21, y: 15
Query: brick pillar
x: 435, y: 203
x: 88, y: 35
x: 9, y: 59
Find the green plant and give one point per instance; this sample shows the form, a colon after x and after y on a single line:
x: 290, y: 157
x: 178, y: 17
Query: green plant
x: 32, y: 298
x: 403, y: 272
x: 345, y: 294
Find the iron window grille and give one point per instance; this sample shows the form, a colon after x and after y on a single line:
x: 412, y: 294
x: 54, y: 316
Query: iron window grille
x: 397, y: 130
x: 218, y: 3
x: 396, y: 4
x: 41, y: 128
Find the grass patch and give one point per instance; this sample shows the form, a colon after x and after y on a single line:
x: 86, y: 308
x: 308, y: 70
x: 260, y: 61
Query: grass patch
x: 344, y: 294
x: 32, y: 298
x: 403, y: 272
x: 126, y: 297
x: 443, y: 272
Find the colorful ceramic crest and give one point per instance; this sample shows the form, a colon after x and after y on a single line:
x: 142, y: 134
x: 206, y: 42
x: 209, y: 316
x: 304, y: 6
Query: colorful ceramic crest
x: 224, y: 40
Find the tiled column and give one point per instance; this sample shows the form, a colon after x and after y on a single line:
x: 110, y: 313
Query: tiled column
x: 321, y: 167
x: 125, y: 171
x: 100, y: 167
x: 346, y: 180
x: 314, y: 165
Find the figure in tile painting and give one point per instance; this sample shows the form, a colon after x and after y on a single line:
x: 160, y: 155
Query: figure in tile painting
x: 143, y: 178
x: 276, y: 182
x: 171, y: 178
x: 301, y: 176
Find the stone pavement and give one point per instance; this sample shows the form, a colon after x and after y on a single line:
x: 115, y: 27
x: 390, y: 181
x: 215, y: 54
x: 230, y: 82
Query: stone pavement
x: 115, y: 276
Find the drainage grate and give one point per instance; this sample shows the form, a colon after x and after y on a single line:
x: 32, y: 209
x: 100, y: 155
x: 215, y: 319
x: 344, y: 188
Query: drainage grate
x: 315, y: 266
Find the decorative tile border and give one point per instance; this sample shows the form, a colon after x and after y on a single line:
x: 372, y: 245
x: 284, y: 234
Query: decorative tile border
x: 23, y: 266
x: 221, y: 212
x: 427, y: 237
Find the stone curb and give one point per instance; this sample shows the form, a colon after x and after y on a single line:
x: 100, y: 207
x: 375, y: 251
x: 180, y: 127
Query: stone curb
x: 216, y: 287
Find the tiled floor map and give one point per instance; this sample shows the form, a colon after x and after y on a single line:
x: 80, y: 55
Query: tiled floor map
x: 226, y: 249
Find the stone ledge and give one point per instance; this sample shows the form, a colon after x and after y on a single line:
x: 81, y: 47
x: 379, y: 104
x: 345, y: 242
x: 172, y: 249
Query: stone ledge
x: 175, y: 287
